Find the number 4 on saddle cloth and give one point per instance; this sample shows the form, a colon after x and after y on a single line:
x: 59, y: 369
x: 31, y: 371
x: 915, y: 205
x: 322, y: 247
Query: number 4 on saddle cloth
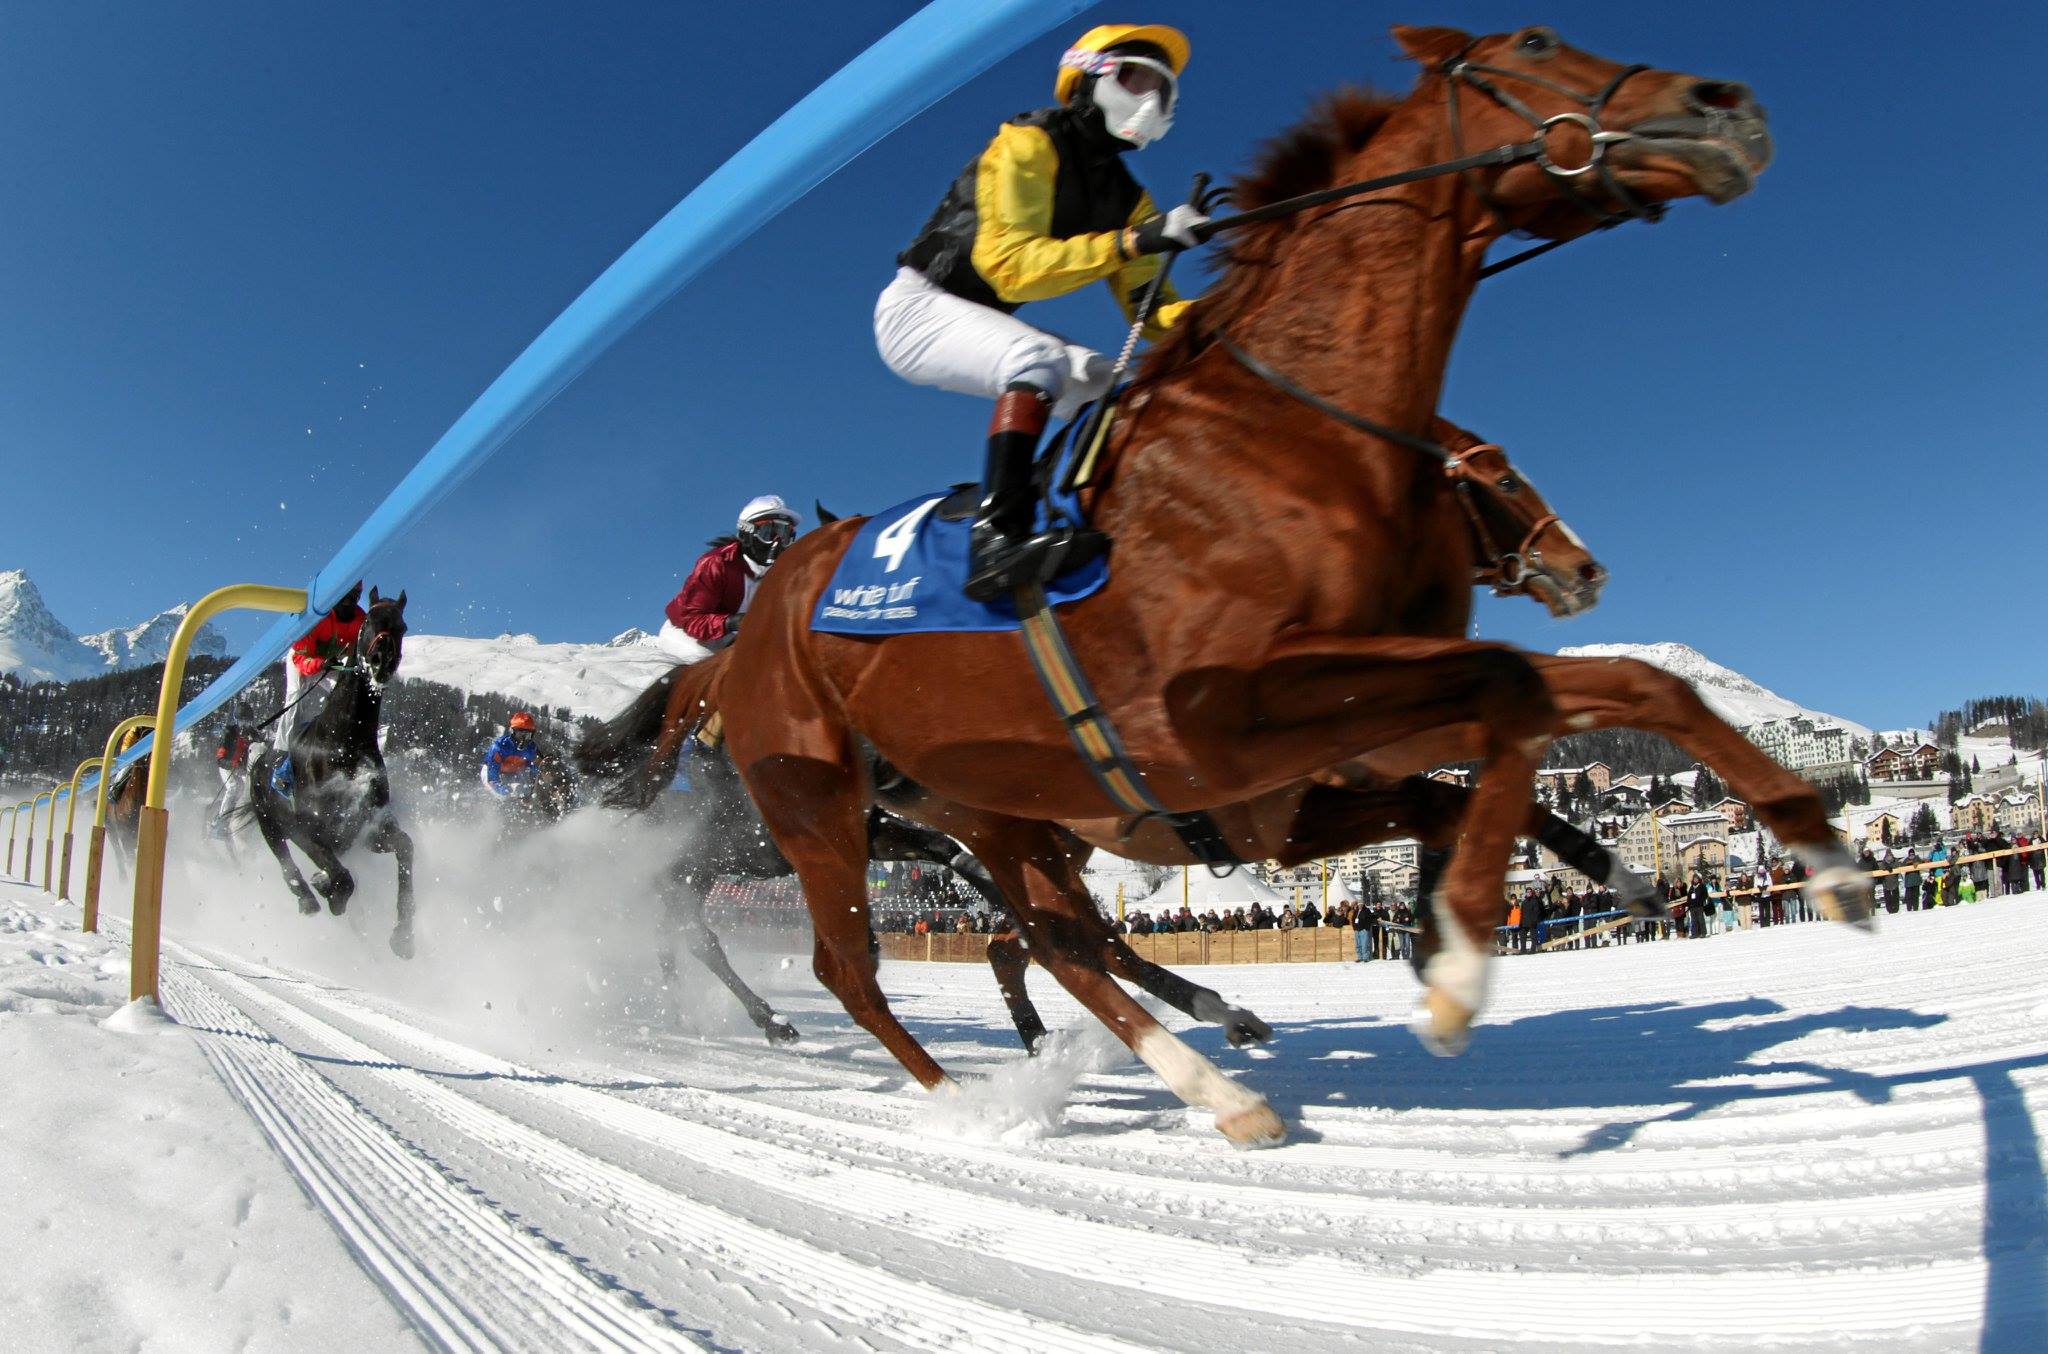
x: 904, y: 572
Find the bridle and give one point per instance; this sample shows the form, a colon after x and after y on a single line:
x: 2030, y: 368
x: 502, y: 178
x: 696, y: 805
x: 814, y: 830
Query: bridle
x: 366, y: 648
x: 1459, y: 71
x: 1511, y: 570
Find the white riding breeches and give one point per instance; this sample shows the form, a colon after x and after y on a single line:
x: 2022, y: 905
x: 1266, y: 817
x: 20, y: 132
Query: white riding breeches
x: 682, y: 645
x: 930, y: 337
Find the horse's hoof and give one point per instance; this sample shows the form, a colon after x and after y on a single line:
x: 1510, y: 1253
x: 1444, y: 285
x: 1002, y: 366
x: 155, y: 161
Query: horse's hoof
x: 1254, y: 1126
x: 1843, y: 894
x: 309, y: 907
x: 1637, y: 896
x: 1443, y: 1023
x: 401, y: 942
x: 779, y: 1031
x: 1242, y: 1028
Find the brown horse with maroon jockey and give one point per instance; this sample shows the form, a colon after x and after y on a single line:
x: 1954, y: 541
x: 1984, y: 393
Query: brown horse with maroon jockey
x: 1290, y: 569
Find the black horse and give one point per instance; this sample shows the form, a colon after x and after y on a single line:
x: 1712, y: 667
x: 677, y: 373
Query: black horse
x: 337, y: 782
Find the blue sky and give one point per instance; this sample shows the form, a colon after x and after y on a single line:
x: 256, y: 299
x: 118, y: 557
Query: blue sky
x: 256, y: 258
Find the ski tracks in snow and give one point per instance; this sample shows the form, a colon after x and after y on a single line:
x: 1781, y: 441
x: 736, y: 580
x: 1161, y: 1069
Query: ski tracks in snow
x: 1818, y: 1164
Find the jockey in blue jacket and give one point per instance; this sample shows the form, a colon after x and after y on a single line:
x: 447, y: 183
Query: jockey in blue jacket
x: 509, y: 763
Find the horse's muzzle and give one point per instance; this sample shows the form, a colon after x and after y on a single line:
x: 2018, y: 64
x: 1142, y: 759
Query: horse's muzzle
x: 1723, y: 139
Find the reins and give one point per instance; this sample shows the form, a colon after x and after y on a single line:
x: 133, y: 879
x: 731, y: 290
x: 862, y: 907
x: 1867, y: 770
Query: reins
x: 1087, y: 723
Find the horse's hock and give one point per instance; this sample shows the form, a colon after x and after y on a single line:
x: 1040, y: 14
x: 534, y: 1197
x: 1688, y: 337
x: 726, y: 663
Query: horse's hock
x: 1316, y: 945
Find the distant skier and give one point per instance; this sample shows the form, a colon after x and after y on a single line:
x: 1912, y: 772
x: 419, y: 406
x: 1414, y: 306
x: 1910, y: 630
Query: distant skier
x: 706, y: 613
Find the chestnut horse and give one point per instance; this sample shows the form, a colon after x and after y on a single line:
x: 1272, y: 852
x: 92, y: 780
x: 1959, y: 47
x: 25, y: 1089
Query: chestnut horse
x: 1288, y: 586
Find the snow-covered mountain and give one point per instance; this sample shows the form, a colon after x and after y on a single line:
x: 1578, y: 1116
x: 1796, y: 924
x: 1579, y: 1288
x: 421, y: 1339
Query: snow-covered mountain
x: 1727, y: 692
x: 34, y: 645
x: 591, y: 679
x: 37, y: 647
x: 140, y: 645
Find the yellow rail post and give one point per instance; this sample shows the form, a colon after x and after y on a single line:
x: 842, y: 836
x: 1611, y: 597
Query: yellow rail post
x: 70, y: 821
x: 13, y: 811
x: 96, y: 844
x: 156, y: 819
x: 50, y: 838
x: 28, y: 858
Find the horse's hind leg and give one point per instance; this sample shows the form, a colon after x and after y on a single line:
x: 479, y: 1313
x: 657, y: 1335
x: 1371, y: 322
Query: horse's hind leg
x: 1035, y: 870
x: 817, y: 812
x: 387, y: 837
x: 1240, y: 1026
x: 1009, y: 961
x: 683, y: 915
x: 274, y: 838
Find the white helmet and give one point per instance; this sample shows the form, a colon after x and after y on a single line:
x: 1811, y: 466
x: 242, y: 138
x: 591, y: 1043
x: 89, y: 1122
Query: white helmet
x: 768, y: 505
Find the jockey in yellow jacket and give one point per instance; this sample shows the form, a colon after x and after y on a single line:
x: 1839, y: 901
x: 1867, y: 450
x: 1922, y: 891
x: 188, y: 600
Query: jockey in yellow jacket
x: 1047, y: 208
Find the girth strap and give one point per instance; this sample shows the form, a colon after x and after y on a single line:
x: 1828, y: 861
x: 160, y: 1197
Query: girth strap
x: 1095, y: 737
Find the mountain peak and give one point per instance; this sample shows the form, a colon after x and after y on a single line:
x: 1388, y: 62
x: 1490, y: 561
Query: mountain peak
x: 36, y: 647
x: 1736, y: 698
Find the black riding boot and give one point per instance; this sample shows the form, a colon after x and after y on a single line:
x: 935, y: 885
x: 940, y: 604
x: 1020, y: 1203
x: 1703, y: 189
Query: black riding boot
x: 1003, y: 552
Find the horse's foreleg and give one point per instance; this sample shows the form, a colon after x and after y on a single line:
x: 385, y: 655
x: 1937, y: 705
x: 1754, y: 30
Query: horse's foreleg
x: 1401, y: 704
x: 684, y: 914
x: 1600, y: 693
x: 1190, y: 998
x: 389, y: 837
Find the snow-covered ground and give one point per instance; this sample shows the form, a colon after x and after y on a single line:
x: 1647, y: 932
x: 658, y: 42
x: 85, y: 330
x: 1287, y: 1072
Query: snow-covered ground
x: 1794, y: 1138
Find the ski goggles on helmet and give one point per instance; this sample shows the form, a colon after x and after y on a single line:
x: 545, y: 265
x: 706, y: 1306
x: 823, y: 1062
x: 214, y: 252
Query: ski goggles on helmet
x: 774, y: 530
x: 1135, y: 75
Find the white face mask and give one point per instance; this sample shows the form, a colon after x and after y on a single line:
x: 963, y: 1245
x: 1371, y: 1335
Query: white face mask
x: 1136, y: 96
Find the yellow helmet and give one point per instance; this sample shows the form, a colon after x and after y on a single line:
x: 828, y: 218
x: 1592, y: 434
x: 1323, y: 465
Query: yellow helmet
x: 1097, y: 40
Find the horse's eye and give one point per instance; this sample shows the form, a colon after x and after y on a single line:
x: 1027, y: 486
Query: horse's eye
x: 1510, y: 485
x: 1538, y: 42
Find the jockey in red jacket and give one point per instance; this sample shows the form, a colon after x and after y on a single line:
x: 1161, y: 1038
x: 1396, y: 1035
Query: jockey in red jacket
x: 332, y: 638
x: 706, y: 613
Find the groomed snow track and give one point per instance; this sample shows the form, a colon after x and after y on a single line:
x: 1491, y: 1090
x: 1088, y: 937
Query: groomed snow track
x: 1797, y: 1138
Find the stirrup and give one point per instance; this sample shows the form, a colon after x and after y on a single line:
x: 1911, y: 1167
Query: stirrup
x: 1039, y: 558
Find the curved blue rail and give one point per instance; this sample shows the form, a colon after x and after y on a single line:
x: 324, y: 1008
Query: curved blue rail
x: 932, y: 53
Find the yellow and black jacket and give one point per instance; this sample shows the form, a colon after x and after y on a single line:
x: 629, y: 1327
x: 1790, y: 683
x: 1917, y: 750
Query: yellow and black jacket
x: 1040, y: 213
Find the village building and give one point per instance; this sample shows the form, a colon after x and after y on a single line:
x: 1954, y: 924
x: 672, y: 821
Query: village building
x: 1812, y: 747
x: 1921, y: 762
x: 1657, y: 844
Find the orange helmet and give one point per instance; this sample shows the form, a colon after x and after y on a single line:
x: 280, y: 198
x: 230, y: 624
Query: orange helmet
x: 520, y: 720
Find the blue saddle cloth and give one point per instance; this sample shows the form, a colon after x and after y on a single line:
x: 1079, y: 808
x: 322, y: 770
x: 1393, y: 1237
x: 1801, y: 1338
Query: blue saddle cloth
x: 284, y: 776
x: 903, y: 572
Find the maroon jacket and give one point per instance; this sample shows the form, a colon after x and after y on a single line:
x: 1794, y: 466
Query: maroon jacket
x: 707, y: 609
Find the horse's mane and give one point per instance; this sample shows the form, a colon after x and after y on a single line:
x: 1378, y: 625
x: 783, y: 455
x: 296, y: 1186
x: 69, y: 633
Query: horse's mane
x: 1300, y: 160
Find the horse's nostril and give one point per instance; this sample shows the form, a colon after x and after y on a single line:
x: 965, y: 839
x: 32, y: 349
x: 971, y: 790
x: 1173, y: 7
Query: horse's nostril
x: 1592, y: 573
x: 1722, y: 95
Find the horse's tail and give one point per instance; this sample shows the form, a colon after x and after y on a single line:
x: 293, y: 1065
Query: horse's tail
x: 632, y: 757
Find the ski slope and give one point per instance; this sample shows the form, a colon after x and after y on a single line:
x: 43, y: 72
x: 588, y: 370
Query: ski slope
x: 1796, y: 1138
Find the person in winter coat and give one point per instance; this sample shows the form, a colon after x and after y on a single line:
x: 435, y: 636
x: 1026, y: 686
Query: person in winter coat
x: 512, y: 760
x: 706, y: 613
x: 332, y: 639
x: 1046, y: 209
x: 1911, y: 881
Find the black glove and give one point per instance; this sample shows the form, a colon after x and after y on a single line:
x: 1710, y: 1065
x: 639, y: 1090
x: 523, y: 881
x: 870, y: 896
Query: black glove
x: 1170, y: 233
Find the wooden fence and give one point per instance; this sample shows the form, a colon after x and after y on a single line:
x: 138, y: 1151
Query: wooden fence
x: 1315, y: 945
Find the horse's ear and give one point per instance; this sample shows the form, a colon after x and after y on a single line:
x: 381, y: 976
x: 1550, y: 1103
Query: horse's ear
x: 373, y: 594
x: 1431, y: 46
x: 401, y: 601
x: 826, y: 517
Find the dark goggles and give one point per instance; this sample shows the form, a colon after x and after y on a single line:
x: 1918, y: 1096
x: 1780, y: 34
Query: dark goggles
x: 773, y: 530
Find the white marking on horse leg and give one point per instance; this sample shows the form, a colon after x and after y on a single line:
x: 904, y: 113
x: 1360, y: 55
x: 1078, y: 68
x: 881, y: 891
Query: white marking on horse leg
x: 1581, y: 722
x: 1456, y: 979
x: 1242, y: 1116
